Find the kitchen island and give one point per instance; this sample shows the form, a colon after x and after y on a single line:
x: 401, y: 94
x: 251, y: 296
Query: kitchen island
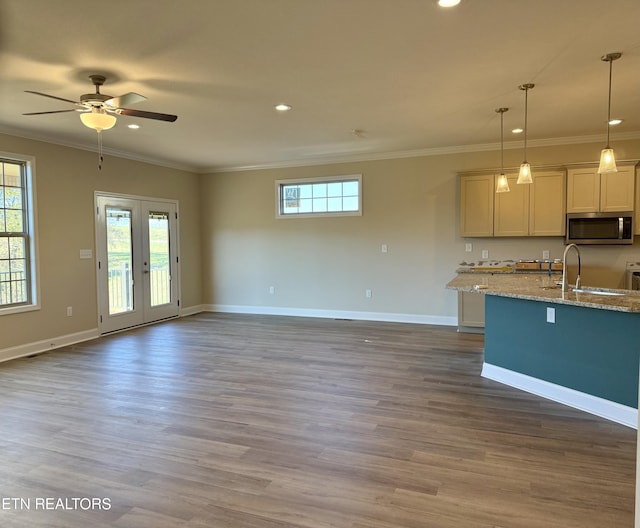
x: 580, y: 349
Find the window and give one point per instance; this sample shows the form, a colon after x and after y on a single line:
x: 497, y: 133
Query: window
x: 17, y: 237
x: 331, y: 196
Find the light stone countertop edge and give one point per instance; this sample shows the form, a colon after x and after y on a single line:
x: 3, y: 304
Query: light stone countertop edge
x: 542, y: 288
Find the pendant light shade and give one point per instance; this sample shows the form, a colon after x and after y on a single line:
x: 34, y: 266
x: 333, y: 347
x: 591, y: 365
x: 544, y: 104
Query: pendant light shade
x: 607, y: 161
x: 607, y: 157
x: 524, y: 176
x: 503, y: 183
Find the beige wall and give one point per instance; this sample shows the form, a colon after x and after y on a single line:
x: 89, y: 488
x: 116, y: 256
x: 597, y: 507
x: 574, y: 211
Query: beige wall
x: 233, y: 248
x: 327, y: 263
x: 66, y: 180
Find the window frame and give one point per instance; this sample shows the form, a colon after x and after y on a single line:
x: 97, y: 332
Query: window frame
x: 280, y: 184
x: 32, y: 264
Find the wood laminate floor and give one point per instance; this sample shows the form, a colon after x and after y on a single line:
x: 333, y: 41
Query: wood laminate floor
x: 237, y: 421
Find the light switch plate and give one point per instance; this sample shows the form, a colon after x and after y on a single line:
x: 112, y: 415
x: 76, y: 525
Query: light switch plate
x: 485, y: 253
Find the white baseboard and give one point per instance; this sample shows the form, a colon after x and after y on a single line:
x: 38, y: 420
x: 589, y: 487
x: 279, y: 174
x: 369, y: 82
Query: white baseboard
x: 47, y: 344
x: 333, y: 314
x: 613, y: 411
x: 191, y: 310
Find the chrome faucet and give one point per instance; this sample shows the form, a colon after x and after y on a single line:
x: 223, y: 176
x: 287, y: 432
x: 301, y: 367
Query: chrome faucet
x: 564, y: 267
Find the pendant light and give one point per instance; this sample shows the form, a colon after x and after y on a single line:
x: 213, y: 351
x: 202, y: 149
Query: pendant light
x: 524, y: 176
x: 607, y: 159
x: 503, y: 183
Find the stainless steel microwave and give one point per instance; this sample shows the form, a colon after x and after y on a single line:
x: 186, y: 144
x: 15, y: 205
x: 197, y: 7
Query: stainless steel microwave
x: 600, y: 228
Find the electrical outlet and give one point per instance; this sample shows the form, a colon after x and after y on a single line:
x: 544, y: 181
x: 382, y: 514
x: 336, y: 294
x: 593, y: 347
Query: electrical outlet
x: 551, y: 315
x: 468, y: 247
x: 367, y: 294
x: 69, y: 311
x: 545, y: 254
x: 485, y: 253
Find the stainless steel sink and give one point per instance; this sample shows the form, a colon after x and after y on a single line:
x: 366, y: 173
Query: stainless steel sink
x: 597, y: 292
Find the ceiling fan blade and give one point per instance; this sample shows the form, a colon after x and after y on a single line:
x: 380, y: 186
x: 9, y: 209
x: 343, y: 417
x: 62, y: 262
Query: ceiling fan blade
x: 125, y: 99
x: 147, y: 115
x: 50, y: 112
x: 53, y: 97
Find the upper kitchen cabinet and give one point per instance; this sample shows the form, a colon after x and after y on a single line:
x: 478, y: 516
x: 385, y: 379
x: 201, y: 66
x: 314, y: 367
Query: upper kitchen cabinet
x: 511, y: 213
x: 547, y: 202
x: 537, y: 209
x: 636, y: 220
x: 527, y: 210
x: 590, y: 192
x: 617, y: 190
x: 476, y: 205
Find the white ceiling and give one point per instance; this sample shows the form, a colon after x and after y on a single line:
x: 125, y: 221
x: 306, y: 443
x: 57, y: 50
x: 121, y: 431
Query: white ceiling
x: 414, y: 77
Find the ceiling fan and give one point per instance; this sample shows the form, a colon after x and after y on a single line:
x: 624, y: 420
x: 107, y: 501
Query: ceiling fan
x: 99, y: 110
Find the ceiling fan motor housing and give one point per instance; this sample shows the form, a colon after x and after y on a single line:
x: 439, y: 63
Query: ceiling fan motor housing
x: 96, y: 99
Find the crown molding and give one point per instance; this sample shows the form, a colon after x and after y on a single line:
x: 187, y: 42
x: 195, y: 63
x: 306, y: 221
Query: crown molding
x: 323, y: 160
x: 417, y: 153
x: 17, y: 132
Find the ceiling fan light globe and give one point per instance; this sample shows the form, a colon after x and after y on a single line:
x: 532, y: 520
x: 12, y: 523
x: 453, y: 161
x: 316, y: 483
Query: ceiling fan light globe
x: 98, y: 121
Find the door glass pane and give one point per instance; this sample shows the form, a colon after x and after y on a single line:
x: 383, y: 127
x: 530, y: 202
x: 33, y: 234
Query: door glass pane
x: 119, y: 260
x: 159, y: 276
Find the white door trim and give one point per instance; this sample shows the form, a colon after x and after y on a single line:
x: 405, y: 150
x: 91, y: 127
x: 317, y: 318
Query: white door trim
x: 141, y: 315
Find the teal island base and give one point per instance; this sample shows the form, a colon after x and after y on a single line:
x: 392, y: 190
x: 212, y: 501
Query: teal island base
x: 588, y: 358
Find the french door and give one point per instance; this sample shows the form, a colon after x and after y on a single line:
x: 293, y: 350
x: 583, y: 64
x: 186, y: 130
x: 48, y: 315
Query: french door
x: 136, y: 246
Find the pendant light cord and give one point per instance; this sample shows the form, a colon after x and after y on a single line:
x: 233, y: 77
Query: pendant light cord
x: 502, y: 111
x: 609, y: 103
x: 526, y: 127
x: 526, y: 87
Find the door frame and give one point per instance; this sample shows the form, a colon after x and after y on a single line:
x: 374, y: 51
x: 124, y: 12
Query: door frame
x: 101, y: 256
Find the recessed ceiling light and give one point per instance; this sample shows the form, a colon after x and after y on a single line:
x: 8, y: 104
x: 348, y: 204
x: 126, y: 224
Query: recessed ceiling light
x: 615, y: 122
x: 282, y: 107
x: 448, y: 3
x: 133, y: 126
x: 517, y: 131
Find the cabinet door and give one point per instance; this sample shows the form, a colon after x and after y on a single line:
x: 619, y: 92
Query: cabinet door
x: 547, y: 204
x: 476, y: 205
x: 583, y: 190
x: 511, y: 215
x: 617, y: 190
x: 636, y: 220
x: 471, y: 309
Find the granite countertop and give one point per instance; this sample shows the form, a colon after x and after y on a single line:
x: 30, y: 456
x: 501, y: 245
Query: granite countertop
x: 541, y: 287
